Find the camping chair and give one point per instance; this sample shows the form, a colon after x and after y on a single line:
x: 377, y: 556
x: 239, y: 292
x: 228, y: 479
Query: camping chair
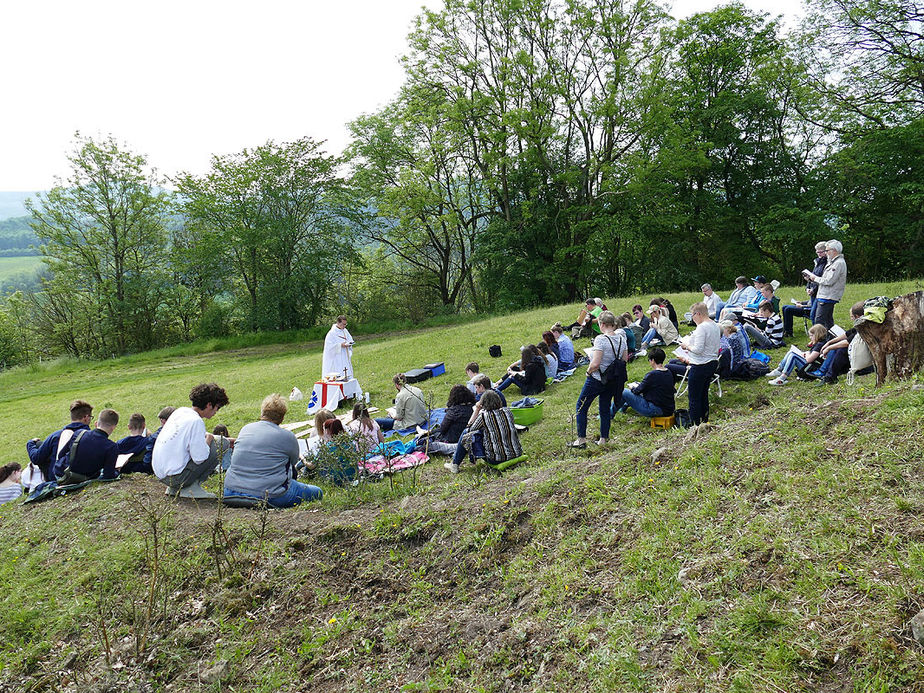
x: 682, y: 388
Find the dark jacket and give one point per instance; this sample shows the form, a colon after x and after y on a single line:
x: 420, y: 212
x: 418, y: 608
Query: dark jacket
x: 454, y: 422
x: 532, y: 379
x: 42, y: 456
x: 136, y: 446
x: 820, y: 264
x: 149, y: 447
x: 95, y: 454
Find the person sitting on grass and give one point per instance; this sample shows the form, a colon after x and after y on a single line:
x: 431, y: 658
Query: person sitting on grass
x: 368, y: 433
x: 42, y: 458
x: 471, y: 371
x: 668, y: 309
x: 713, y: 301
x: 732, y: 342
x: 10, y: 482
x: 264, y: 460
x: 336, y: 461
x: 550, y: 362
x: 162, y: 416
x: 410, y: 408
x: 818, y: 334
x: 90, y: 454
x: 661, y: 329
x: 771, y: 336
x: 528, y: 373
x: 492, y: 425
x: 622, y: 323
x: 184, y: 454
x: 742, y: 295
x: 565, y: 348
x: 552, y: 344
x: 459, y: 409
x: 135, y: 444
x: 483, y: 384
x: 641, y: 319
x: 654, y: 396
x: 835, y: 353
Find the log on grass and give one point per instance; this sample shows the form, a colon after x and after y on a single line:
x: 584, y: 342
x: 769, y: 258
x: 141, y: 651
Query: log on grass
x: 897, y: 343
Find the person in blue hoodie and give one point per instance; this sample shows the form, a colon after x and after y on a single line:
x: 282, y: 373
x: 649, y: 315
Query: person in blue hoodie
x: 90, y: 454
x: 135, y: 444
x: 44, y: 454
x: 151, y: 439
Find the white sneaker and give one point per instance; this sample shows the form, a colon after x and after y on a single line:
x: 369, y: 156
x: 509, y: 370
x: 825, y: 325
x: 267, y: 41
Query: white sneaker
x: 194, y: 490
x: 641, y: 352
x: 171, y: 492
x: 775, y: 373
x: 452, y: 467
x: 778, y: 381
x: 602, y: 441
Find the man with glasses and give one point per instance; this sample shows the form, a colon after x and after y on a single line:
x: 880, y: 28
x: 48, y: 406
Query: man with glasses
x: 807, y: 308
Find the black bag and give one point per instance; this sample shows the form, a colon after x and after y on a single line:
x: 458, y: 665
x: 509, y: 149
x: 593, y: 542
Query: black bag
x: 495, y: 350
x: 682, y: 417
x: 616, y: 370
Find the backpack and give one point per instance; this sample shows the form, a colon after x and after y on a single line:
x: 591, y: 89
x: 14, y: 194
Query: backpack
x: 616, y: 369
x: 859, y: 354
x: 750, y: 369
x: 495, y: 350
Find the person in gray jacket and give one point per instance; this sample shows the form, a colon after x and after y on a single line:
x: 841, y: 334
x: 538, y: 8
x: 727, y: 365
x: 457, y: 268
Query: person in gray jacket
x: 264, y: 459
x: 831, y: 283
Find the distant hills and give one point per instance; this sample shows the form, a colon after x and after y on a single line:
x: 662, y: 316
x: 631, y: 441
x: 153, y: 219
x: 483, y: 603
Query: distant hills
x: 12, y: 203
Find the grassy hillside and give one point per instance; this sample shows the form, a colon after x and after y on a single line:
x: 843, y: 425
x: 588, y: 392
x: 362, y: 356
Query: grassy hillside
x: 16, y: 267
x: 781, y: 550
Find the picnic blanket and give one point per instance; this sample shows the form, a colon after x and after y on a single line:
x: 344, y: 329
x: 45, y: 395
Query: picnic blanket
x: 381, y: 465
x: 436, y: 416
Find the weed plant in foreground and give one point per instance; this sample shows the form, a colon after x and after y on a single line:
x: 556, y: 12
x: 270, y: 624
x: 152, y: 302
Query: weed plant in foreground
x: 784, y: 550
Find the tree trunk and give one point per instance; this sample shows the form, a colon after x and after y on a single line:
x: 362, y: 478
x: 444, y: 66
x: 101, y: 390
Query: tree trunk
x: 897, y: 344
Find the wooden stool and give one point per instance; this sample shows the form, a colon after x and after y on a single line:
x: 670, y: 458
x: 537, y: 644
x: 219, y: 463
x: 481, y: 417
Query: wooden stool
x: 663, y: 421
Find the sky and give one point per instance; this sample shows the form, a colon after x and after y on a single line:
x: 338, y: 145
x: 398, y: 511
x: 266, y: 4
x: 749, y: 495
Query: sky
x: 180, y: 81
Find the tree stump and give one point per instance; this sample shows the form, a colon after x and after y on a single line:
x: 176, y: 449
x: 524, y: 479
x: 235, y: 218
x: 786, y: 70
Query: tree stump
x: 897, y: 344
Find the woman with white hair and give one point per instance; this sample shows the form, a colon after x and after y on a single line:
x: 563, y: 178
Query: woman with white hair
x: 831, y: 283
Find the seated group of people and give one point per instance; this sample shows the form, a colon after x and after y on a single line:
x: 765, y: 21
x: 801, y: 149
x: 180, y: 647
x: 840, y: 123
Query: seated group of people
x: 260, y: 463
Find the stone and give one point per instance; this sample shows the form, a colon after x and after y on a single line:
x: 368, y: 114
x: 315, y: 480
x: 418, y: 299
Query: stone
x: 216, y: 673
x: 917, y: 627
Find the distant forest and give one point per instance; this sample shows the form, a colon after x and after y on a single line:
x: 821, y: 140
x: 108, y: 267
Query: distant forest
x: 539, y: 151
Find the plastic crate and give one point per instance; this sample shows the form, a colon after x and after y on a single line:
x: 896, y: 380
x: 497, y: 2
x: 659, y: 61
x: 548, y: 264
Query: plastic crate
x: 663, y: 421
x: 526, y: 416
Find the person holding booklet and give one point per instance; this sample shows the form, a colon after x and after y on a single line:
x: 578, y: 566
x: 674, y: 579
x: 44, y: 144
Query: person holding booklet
x: 700, y: 349
x: 654, y: 396
x: 338, y: 350
x: 798, y: 359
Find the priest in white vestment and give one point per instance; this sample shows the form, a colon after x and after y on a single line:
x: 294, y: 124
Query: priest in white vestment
x: 338, y: 350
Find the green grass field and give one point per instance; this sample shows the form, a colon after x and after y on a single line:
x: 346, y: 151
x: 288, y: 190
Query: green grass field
x: 783, y: 550
x: 11, y: 267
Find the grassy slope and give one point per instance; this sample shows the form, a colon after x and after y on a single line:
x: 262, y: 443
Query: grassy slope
x: 11, y: 267
x: 782, y: 551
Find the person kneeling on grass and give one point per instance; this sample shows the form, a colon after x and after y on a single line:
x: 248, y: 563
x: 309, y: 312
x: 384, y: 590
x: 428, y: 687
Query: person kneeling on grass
x: 264, y: 460
x: 654, y: 396
x: 184, y: 454
x: 791, y: 361
x: 491, y: 434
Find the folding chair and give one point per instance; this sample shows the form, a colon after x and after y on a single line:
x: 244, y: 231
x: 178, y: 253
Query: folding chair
x: 682, y: 388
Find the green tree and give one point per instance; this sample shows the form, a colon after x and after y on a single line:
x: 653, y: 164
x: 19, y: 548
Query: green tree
x: 103, y: 236
x: 281, y: 216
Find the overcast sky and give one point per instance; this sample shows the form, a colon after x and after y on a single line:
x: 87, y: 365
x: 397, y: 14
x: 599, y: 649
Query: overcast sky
x: 179, y: 81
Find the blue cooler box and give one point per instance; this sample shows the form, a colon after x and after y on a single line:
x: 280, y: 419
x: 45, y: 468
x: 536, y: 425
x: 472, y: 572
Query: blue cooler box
x: 436, y: 368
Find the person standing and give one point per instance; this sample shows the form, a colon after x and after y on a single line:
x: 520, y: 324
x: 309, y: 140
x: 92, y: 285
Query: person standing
x: 702, y: 347
x: 338, y: 350
x: 831, y: 283
x: 609, y: 347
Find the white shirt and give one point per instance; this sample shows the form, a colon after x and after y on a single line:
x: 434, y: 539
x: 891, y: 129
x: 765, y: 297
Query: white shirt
x: 703, y: 343
x: 337, y: 358
x: 182, y: 439
x: 712, y: 302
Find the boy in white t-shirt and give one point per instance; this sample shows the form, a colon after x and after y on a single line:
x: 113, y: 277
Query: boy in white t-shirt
x: 185, y: 454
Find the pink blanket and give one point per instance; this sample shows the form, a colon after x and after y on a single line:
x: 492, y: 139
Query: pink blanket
x: 378, y: 464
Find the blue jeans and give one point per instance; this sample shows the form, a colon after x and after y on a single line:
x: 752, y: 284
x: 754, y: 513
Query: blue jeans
x: 385, y: 423
x: 296, y: 493
x: 477, y: 448
x: 698, y: 390
x: 718, y: 310
x: 650, y: 335
x: 639, y: 404
x: 790, y: 363
x: 593, y: 389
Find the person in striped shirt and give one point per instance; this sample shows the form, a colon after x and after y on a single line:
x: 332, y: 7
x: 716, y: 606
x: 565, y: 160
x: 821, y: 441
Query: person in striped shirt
x: 493, y: 425
x: 10, y: 486
x: 771, y: 336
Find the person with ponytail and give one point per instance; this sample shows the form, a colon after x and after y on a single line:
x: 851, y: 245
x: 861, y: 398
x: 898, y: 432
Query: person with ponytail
x: 364, y: 427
